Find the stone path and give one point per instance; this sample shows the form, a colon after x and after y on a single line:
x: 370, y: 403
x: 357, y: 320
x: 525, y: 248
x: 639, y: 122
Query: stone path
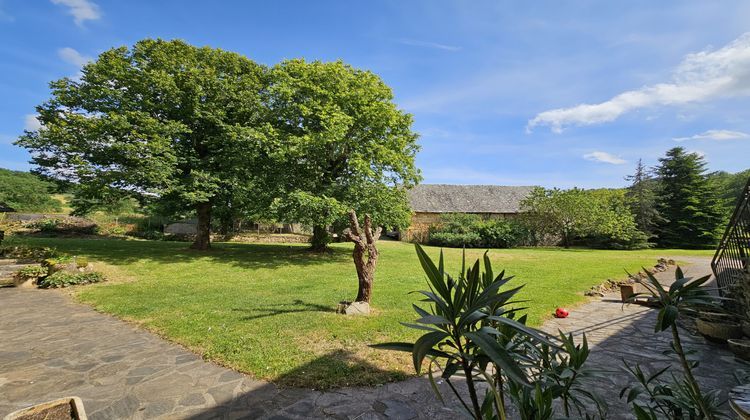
x: 51, y: 347
x: 616, y: 332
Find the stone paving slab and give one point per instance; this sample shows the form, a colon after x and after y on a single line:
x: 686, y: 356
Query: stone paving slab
x: 52, y: 347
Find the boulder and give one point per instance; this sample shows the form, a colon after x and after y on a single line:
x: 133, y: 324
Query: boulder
x: 353, y: 308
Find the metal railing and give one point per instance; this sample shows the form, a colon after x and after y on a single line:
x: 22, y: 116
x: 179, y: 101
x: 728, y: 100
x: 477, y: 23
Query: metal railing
x: 731, y: 258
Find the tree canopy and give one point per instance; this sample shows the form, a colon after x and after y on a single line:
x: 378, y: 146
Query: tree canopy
x: 24, y: 191
x: 188, y: 129
x: 162, y: 121
x: 729, y: 187
x: 344, y: 145
x: 598, y: 218
x: 641, y: 197
x: 688, y: 202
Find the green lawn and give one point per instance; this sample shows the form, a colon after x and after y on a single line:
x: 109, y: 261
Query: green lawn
x: 268, y: 310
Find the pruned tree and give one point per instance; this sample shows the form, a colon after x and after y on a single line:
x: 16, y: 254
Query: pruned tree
x: 365, y: 254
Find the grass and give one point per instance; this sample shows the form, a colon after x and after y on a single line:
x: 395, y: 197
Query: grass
x: 268, y: 310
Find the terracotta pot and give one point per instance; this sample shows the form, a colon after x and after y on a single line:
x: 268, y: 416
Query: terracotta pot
x: 740, y: 348
x: 719, y: 331
x: 62, y: 409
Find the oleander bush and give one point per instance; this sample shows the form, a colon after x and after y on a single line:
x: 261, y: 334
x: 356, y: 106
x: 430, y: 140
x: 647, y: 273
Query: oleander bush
x: 474, y: 331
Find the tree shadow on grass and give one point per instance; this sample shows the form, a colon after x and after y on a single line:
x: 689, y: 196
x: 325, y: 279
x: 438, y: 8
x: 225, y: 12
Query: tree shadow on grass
x: 244, y: 255
x: 264, y: 311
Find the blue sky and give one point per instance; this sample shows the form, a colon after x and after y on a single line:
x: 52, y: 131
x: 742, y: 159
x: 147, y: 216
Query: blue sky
x: 517, y: 93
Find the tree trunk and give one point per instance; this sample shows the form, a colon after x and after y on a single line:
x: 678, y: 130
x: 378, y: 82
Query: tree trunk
x: 320, y: 239
x: 365, y: 254
x: 203, y: 233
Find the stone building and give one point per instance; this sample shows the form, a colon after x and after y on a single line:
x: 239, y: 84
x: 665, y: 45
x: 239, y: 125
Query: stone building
x: 429, y: 201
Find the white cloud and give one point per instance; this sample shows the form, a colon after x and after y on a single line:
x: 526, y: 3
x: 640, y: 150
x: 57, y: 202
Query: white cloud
x: 718, y: 135
x: 604, y: 157
x: 700, y: 77
x: 427, y: 44
x: 31, y: 123
x: 69, y: 55
x: 81, y: 10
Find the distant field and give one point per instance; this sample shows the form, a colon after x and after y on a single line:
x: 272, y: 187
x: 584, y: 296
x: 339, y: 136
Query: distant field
x: 268, y: 310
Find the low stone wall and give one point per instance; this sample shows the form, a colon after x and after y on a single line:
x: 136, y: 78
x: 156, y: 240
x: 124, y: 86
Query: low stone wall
x: 276, y: 238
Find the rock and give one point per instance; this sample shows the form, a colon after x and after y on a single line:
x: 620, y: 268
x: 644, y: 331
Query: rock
x: 353, y: 308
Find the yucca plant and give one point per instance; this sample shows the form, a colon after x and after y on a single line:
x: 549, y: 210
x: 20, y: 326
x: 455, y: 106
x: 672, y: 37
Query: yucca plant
x: 473, y: 330
x: 685, y: 296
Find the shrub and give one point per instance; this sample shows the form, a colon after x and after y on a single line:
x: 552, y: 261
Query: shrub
x: 56, y: 262
x: 469, y: 230
x: 456, y: 240
x: 501, y: 233
x: 67, y: 225
x: 111, y: 229
x: 66, y: 278
x: 81, y: 262
x: 32, y: 271
x: 45, y: 225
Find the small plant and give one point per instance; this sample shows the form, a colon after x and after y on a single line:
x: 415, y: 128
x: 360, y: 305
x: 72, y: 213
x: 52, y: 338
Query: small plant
x: 32, y: 272
x: 65, y: 279
x: 81, y: 262
x: 111, y: 229
x: 681, y: 397
x: 57, y: 261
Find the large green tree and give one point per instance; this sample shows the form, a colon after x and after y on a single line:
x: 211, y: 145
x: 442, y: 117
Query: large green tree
x: 162, y: 121
x: 561, y: 213
x: 343, y: 144
x: 24, y: 191
x: 641, y: 197
x: 730, y: 187
x: 598, y: 218
x: 688, y: 202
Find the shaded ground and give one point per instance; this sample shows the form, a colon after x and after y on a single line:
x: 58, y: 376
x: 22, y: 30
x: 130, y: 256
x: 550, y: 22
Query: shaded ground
x: 52, y: 347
